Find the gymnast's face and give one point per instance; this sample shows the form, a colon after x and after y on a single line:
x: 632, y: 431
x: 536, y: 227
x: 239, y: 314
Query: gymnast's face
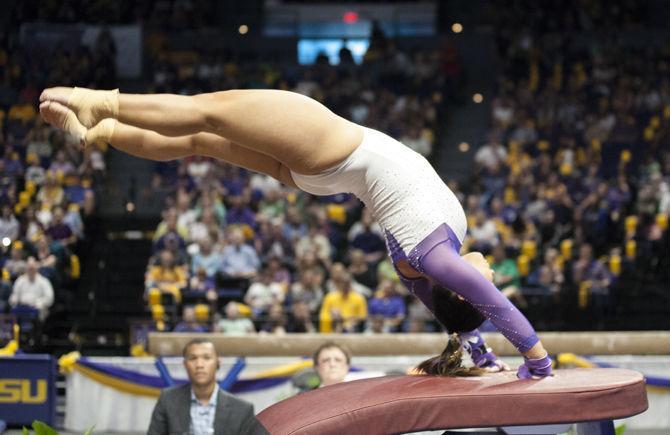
x: 332, y: 366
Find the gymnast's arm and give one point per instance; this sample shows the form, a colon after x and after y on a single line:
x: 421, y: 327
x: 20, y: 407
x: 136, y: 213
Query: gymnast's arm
x: 151, y: 145
x: 472, y: 341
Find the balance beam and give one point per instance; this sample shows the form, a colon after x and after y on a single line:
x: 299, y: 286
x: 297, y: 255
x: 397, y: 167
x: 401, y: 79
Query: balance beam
x: 399, y: 404
x: 581, y: 343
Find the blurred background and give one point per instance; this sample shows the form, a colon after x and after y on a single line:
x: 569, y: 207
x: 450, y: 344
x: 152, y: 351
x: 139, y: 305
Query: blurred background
x: 550, y: 121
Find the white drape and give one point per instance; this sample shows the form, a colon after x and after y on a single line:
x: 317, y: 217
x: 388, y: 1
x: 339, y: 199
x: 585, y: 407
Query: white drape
x: 91, y: 403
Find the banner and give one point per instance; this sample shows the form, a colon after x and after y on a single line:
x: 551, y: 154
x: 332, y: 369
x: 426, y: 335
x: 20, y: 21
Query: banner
x: 27, y: 389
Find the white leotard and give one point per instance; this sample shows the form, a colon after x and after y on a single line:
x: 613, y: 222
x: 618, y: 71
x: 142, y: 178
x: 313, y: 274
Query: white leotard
x: 407, y: 197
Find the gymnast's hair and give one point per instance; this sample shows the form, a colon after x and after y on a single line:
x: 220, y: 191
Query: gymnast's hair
x: 455, y: 315
x: 449, y: 362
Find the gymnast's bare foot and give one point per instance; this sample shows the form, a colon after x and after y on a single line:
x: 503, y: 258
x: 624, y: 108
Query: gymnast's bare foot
x: 89, y: 106
x: 63, y: 118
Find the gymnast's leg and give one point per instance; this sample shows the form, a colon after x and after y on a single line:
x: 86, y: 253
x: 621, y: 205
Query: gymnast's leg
x: 151, y: 145
x: 301, y: 131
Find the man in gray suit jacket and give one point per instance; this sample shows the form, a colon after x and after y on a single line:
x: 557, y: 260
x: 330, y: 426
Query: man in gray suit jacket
x: 201, y: 407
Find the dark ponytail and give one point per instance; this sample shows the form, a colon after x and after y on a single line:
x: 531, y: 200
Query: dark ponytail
x: 449, y: 362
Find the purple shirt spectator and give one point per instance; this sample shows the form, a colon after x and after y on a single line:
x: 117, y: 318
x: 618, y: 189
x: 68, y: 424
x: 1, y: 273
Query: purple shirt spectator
x: 76, y: 193
x: 13, y: 167
x: 59, y: 231
x: 241, y: 215
x: 61, y: 164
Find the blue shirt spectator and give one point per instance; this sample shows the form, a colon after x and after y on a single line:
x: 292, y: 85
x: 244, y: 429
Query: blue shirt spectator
x: 239, y: 260
x: 76, y: 192
x: 387, y: 305
x: 189, y: 323
x: 206, y: 259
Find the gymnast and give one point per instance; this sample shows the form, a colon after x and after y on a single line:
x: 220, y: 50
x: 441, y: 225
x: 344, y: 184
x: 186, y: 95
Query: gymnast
x: 301, y: 143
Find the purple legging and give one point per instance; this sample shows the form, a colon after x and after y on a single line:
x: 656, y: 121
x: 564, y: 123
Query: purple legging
x: 437, y: 256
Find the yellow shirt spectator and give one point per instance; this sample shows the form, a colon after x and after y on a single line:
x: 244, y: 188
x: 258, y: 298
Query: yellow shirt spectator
x: 348, y: 307
x: 167, y: 277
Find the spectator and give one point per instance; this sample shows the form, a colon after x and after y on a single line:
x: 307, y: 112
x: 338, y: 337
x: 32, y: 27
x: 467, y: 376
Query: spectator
x: 38, y: 142
x: 169, y: 225
x: 51, y: 193
x: 314, y: 241
x: 5, y: 293
x: 300, y: 319
x: 360, y: 270
x: 385, y: 270
x: 294, y: 227
x: 233, y: 323
x: 238, y: 259
x: 331, y: 362
x: 209, y: 200
x: 273, y: 204
x: 188, y: 322
x: 46, y: 258
x: 592, y: 273
x: 275, y: 322
x: 58, y: 230
x: 338, y: 273
x: 270, y: 241
x: 34, y: 173
x: 506, y: 276
x: 240, y: 213
x: 186, y: 215
x: 202, y: 286
x: 9, y: 226
x: 388, y: 306
x: 264, y: 293
x: 198, y: 167
x: 61, y: 166
x: 75, y: 192
x: 343, y: 309
x: 418, y: 140
x: 204, y: 227
x: 310, y: 261
x: 551, y: 274
x: 200, y: 406
x: 74, y: 221
x: 484, y: 233
x: 418, y: 317
x: 7, y: 183
x: 366, y: 235
x: 16, y: 265
x: 308, y: 290
x: 278, y: 272
x: 32, y: 290
x: 166, y: 277
x: 491, y: 155
x: 206, y: 259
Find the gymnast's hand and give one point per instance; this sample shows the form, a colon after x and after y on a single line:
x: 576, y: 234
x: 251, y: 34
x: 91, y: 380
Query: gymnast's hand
x: 490, y: 362
x: 535, y: 368
x: 482, y: 356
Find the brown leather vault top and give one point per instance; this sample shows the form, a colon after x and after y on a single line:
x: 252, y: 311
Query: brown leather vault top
x: 397, y: 404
